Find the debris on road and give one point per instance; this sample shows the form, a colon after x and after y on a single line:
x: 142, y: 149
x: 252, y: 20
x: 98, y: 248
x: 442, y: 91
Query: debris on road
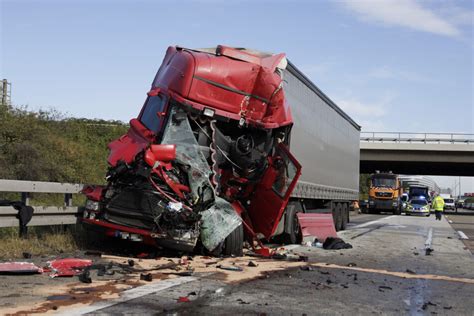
x: 336, y: 243
x: 67, y: 267
x: 252, y: 264
x: 146, y: 277
x: 183, y: 299
x: 230, y: 268
x: 19, y: 268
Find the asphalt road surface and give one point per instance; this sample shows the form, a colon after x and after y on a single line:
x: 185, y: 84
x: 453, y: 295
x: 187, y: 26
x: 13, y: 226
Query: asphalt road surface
x: 381, y: 243
x: 386, y: 272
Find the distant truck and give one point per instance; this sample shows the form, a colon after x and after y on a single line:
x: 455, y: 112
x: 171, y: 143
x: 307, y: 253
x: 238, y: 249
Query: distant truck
x: 207, y: 161
x: 385, y: 193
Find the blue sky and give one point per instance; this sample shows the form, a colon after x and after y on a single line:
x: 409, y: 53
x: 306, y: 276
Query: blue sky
x: 393, y: 65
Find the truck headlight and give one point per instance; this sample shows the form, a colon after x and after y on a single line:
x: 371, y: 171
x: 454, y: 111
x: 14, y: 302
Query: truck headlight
x: 92, y: 205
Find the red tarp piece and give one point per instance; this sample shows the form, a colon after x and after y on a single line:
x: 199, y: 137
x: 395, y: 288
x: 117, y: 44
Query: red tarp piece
x: 19, y: 268
x: 67, y: 267
x: 319, y: 225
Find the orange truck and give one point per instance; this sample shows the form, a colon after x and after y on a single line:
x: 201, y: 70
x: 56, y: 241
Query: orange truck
x: 385, y: 193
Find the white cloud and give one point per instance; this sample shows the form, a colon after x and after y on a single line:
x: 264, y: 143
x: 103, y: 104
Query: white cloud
x: 405, y: 13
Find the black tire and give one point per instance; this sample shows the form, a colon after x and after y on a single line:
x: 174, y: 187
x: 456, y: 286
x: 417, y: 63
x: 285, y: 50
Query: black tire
x: 294, y: 235
x: 234, y: 243
x: 397, y: 211
x: 338, y: 216
x: 344, y: 216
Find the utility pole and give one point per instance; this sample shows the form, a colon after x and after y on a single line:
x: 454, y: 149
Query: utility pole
x: 5, y: 93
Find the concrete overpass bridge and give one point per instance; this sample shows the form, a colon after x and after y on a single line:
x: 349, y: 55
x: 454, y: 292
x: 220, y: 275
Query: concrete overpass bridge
x: 444, y: 154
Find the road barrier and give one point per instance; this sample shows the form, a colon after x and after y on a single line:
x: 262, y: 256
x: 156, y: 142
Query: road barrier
x: 42, y: 215
x: 407, y: 137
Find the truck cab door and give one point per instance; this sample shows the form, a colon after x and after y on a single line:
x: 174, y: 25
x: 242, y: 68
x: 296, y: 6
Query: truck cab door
x: 273, y: 192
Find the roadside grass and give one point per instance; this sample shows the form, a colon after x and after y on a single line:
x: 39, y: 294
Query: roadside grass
x: 41, y: 241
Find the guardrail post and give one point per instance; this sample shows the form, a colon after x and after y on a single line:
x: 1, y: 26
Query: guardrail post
x: 68, y: 199
x: 25, y: 198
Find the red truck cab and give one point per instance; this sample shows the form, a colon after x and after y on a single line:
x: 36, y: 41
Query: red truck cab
x: 206, y: 161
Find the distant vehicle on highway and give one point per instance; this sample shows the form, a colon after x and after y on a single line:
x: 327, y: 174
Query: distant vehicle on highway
x: 448, y: 202
x: 460, y: 203
x: 418, y: 206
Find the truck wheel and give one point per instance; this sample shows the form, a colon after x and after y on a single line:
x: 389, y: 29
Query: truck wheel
x: 344, y: 216
x: 397, y: 211
x: 338, y: 216
x: 292, y: 234
x: 233, y: 244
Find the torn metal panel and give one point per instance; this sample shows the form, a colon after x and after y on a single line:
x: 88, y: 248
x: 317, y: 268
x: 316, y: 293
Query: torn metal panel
x: 67, y: 267
x: 19, y: 268
x: 321, y: 226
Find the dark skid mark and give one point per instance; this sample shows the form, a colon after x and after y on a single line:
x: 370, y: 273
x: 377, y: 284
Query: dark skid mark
x: 369, y: 231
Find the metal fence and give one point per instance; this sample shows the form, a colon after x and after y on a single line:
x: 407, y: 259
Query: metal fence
x: 426, y: 138
x: 42, y: 215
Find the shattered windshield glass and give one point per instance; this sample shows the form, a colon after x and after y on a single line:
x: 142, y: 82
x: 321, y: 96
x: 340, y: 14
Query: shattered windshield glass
x: 220, y: 219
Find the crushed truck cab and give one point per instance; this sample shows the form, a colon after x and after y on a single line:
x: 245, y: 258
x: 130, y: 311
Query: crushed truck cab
x: 207, y: 160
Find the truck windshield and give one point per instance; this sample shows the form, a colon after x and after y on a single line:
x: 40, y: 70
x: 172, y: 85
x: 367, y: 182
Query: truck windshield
x: 384, y: 182
x: 150, y: 114
x: 448, y: 201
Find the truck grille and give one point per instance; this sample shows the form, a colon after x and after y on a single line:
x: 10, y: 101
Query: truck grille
x: 384, y: 194
x: 132, y: 208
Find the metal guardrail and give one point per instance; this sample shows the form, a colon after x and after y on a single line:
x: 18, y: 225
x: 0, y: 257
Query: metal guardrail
x: 426, y: 138
x: 42, y: 215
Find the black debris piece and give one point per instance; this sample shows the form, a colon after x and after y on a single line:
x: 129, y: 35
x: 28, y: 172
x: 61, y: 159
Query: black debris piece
x: 324, y: 272
x: 384, y: 287
x: 428, y: 251
x: 352, y: 264
x: 193, y: 293
x: 335, y: 243
x: 27, y: 255
x: 229, y: 268
x: 85, y: 277
x: 345, y: 286
x: 146, y: 277
x: 425, y: 305
x: 303, y: 258
x: 329, y: 281
x: 447, y: 307
x: 252, y: 264
x: 131, y: 262
x: 242, y: 301
x: 306, y: 268
x: 410, y: 271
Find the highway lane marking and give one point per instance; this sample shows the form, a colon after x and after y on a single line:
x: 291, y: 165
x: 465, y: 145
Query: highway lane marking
x: 462, y: 235
x: 405, y: 275
x: 129, y: 295
x: 372, y: 222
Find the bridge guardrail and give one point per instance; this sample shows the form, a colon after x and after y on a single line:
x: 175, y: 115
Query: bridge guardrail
x: 42, y: 215
x: 426, y: 138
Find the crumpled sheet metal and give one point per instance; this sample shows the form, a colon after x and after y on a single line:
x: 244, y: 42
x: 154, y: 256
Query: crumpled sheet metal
x: 319, y: 225
x: 218, y: 221
x: 19, y: 268
x: 67, y: 267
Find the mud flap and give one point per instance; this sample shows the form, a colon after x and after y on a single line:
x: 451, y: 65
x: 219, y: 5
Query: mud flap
x: 319, y: 225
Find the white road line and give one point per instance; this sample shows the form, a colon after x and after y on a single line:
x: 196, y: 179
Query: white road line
x: 128, y: 295
x: 462, y: 235
x: 373, y: 222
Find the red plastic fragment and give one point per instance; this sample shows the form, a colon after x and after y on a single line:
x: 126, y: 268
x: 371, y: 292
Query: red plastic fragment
x: 183, y: 299
x: 19, y: 268
x: 320, y: 225
x: 67, y: 267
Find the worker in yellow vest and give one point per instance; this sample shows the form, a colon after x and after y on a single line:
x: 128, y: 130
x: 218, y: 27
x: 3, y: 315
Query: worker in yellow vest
x: 438, y: 206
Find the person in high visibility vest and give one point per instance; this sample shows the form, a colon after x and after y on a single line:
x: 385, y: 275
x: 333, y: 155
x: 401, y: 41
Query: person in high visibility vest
x: 438, y: 206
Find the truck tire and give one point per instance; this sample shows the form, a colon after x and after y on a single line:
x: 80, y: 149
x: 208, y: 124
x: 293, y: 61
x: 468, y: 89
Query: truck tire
x: 293, y: 231
x: 397, y: 211
x: 344, y: 216
x: 234, y: 243
x: 337, y: 215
